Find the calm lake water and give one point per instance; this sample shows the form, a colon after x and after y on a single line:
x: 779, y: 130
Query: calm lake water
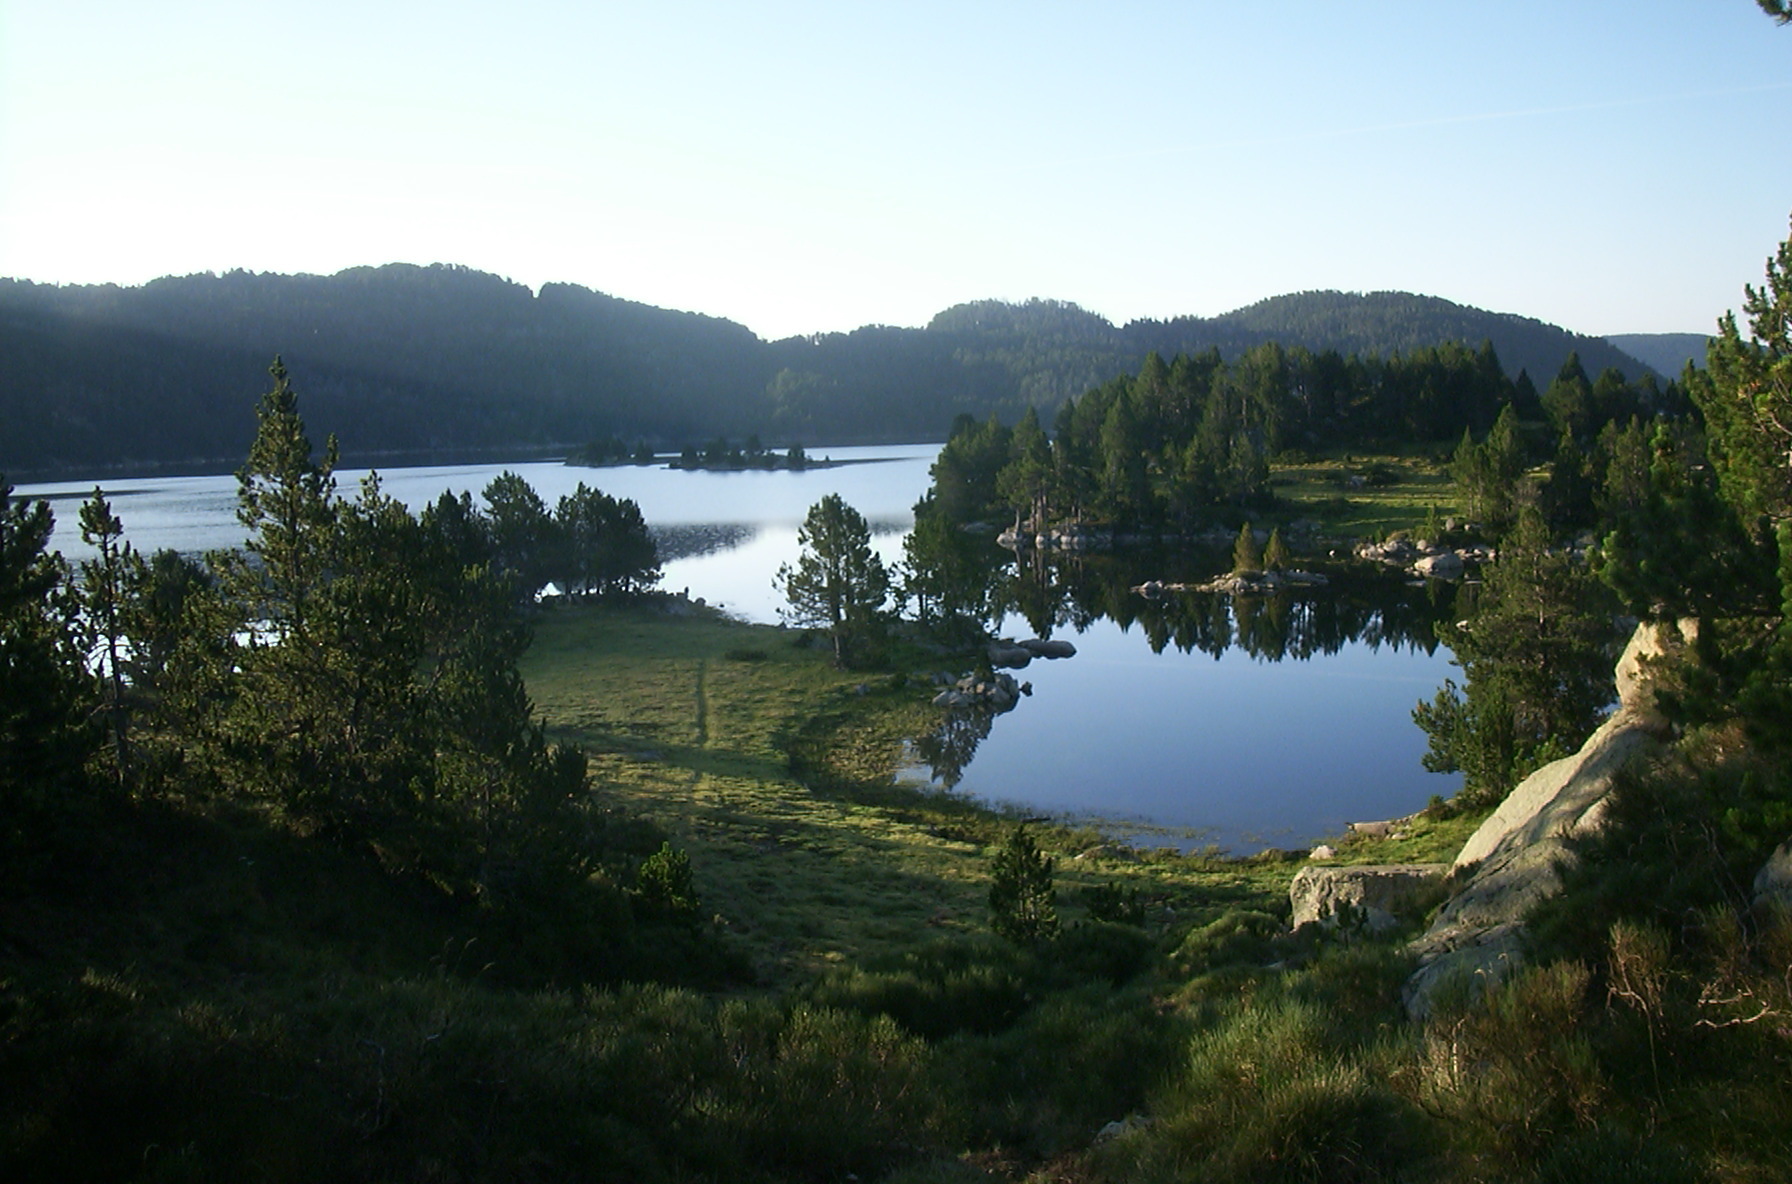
x: 1158, y: 724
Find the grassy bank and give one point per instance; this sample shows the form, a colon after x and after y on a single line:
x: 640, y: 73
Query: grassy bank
x: 776, y: 772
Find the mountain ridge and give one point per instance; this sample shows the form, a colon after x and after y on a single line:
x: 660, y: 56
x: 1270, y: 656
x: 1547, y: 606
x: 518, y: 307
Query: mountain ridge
x: 402, y: 359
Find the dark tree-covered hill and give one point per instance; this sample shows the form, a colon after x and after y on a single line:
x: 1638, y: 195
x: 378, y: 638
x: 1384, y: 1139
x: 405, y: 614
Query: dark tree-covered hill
x: 411, y: 363
x: 1666, y: 353
x: 1385, y: 323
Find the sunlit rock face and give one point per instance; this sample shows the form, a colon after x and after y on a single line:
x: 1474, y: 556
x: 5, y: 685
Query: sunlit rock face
x: 1514, y: 859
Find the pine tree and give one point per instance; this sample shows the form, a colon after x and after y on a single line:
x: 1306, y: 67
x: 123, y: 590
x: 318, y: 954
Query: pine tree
x: 1275, y: 552
x: 1245, y: 556
x: 109, y: 582
x: 45, y: 738
x: 1538, y: 654
x: 1022, y: 899
x: 838, y: 582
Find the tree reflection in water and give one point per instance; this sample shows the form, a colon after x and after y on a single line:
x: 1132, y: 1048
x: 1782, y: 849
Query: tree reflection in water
x: 1069, y: 592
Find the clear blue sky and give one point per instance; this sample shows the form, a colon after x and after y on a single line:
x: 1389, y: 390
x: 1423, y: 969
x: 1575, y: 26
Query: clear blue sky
x: 799, y: 167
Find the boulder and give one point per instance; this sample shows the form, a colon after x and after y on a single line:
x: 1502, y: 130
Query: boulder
x: 1006, y: 656
x: 1041, y: 648
x: 1513, y: 860
x: 1773, y: 883
x: 1445, y: 565
x: 1378, y: 894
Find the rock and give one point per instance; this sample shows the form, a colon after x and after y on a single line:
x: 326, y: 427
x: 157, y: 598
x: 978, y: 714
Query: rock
x: 1122, y: 1126
x: 1372, y: 830
x: 1651, y: 642
x: 1512, y: 861
x: 1379, y: 894
x: 1445, y: 565
x: 1047, y: 649
x: 1003, y: 655
x: 1322, y: 851
x: 1773, y: 883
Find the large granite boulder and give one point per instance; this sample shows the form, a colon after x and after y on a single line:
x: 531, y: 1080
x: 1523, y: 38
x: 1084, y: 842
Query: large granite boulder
x: 1375, y: 896
x: 1513, y: 860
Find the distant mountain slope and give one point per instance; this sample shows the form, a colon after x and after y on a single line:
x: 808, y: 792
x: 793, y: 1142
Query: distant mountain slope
x: 406, y: 362
x: 1389, y: 322
x: 396, y: 359
x: 1666, y: 353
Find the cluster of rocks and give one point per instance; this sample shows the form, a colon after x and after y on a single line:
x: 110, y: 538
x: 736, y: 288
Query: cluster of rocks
x: 997, y: 693
x: 1423, y: 557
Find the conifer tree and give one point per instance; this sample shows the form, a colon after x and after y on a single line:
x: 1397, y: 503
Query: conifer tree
x: 44, y: 735
x: 838, y: 582
x: 109, y: 583
x: 1275, y: 552
x: 1023, y: 902
x: 1245, y: 556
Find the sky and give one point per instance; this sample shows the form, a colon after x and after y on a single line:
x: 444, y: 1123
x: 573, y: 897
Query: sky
x: 809, y: 167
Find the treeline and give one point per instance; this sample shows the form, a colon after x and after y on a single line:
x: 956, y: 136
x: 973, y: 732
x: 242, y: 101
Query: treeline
x: 1160, y: 450
x: 445, y: 362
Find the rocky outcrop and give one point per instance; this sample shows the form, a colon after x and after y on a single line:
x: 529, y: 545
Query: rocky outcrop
x: 1513, y: 860
x: 1374, y: 898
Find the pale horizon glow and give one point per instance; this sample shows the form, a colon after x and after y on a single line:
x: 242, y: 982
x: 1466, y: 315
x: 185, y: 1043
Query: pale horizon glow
x: 812, y: 167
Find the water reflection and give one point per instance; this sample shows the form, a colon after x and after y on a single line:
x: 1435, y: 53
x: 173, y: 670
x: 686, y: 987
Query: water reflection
x: 1312, y: 731
x: 682, y: 540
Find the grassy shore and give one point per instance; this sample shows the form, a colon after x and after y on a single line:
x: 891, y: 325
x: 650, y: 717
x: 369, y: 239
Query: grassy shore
x: 778, y: 774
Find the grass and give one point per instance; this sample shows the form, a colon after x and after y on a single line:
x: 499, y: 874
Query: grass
x: 776, y: 773
x: 1323, y: 490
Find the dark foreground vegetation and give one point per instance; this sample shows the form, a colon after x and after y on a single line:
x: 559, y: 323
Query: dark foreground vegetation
x: 315, y: 868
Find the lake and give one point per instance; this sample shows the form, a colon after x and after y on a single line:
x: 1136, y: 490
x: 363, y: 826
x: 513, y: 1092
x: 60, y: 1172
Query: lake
x: 1189, y: 720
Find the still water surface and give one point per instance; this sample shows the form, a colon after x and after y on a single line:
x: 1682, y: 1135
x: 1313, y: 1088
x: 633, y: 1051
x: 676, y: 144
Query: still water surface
x: 1238, y: 750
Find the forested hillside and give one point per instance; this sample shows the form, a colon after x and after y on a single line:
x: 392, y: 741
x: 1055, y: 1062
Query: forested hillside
x: 437, y: 362
x: 1668, y: 353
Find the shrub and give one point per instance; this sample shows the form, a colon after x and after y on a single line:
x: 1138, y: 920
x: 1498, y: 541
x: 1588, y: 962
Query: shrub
x: 1023, y: 904
x: 665, y: 884
x: 1517, y: 1069
x: 1102, y: 950
x: 1111, y: 902
x: 944, y: 988
x: 1266, y: 1097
